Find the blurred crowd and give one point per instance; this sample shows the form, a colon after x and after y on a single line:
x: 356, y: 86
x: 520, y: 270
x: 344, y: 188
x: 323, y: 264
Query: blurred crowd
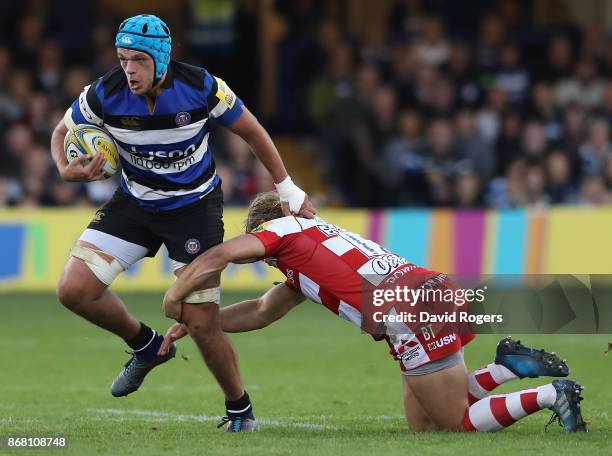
x: 46, y: 59
x: 423, y: 111
x: 498, y: 113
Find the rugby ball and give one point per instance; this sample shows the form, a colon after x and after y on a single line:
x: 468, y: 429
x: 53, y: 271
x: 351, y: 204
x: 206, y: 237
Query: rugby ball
x: 85, y: 139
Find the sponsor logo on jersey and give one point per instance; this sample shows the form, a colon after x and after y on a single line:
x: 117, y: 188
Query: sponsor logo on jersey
x: 384, y: 264
x: 290, y: 278
x: 168, y: 154
x: 441, y: 342
x: 410, y: 352
x: 400, y: 272
x: 130, y: 121
x: 192, y: 246
x: 149, y: 164
x: 224, y: 93
x: 182, y: 118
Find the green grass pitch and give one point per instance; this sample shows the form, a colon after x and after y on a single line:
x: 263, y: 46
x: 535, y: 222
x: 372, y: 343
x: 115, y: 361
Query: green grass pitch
x: 319, y: 386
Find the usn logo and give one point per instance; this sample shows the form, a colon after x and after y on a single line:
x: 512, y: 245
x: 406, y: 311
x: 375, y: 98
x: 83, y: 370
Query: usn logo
x: 182, y: 118
x: 192, y: 246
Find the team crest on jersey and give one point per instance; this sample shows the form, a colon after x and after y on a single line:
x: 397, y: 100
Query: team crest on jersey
x: 98, y: 217
x: 182, y: 118
x: 192, y: 246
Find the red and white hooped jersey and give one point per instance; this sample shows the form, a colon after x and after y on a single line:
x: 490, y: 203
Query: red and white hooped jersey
x: 332, y: 266
x: 328, y: 264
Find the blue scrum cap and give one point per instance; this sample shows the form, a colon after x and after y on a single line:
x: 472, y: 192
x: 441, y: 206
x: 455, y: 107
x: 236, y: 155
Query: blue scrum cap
x: 147, y: 33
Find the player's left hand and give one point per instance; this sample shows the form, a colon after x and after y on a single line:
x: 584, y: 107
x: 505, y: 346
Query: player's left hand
x: 172, y: 306
x: 174, y: 333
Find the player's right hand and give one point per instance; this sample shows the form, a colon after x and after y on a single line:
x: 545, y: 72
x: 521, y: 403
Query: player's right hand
x: 174, y: 333
x: 78, y: 170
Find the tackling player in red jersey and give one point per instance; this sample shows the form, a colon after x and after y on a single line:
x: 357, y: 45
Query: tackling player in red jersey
x: 341, y: 270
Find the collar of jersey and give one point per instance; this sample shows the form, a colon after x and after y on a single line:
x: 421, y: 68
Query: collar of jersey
x: 169, y: 81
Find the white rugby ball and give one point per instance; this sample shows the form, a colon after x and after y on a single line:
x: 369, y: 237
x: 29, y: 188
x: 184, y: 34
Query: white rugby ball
x: 85, y: 139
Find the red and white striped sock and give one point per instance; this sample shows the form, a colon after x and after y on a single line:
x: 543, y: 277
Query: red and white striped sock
x: 483, y: 381
x: 500, y: 411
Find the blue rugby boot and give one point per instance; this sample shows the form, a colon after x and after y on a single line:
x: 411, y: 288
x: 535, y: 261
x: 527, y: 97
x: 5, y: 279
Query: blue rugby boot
x: 240, y: 424
x: 566, y: 409
x: 528, y: 362
x: 135, y: 371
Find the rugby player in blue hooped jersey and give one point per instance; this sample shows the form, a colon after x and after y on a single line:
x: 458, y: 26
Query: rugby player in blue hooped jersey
x: 159, y: 112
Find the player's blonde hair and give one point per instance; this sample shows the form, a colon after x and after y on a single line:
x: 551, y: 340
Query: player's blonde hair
x: 265, y: 206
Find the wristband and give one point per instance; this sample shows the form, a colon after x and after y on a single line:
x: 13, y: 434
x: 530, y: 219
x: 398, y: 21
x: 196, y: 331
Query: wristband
x: 291, y: 193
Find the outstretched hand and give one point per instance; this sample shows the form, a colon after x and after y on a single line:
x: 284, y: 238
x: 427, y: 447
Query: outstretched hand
x: 174, y: 333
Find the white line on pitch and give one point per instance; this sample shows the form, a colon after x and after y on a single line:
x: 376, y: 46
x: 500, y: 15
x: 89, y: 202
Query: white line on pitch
x: 205, y: 418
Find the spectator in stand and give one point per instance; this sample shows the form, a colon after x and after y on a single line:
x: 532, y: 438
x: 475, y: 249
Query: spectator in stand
x: 535, y: 185
x: 368, y: 137
x: 461, y: 72
x: 593, y: 191
x: 406, y: 19
x: 492, y: 36
x: 509, y: 191
x: 559, y: 60
x: 13, y: 103
x: 404, y: 164
x: 574, y: 132
x: 544, y: 110
x: 332, y: 86
x: 441, y: 100
x: 49, y: 67
x: 508, y: 144
x: 559, y: 189
x: 534, y: 144
x: 431, y: 46
x: 442, y: 162
x: 596, y: 150
x: 489, y: 117
x: 467, y: 190
x: 606, y: 103
x: 584, y: 87
x: 511, y: 76
x: 472, y: 147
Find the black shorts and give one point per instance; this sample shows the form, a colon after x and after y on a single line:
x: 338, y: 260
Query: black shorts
x: 186, y: 232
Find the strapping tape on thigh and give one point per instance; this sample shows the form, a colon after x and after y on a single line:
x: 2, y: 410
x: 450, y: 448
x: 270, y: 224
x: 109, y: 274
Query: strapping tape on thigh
x: 102, y: 269
x: 208, y: 295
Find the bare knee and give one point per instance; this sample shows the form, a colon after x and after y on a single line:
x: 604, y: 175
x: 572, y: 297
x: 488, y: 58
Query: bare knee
x: 77, y: 285
x: 202, y: 321
x: 70, y: 293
